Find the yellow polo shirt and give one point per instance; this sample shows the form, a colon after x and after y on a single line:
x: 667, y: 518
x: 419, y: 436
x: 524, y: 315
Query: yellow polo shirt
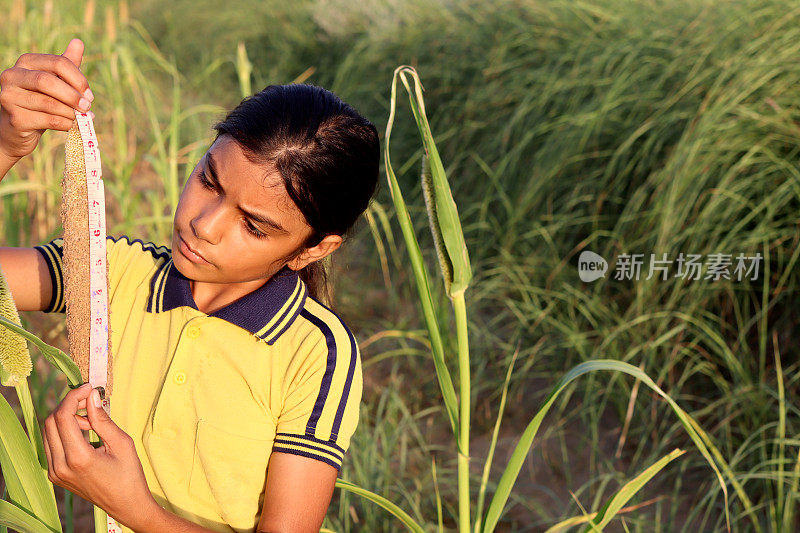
x: 208, y: 398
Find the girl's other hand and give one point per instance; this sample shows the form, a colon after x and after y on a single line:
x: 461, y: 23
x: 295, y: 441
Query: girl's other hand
x: 40, y: 92
x: 110, y: 476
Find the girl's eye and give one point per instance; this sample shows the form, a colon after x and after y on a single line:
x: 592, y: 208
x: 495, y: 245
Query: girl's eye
x: 252, y: 230
x: 204, y: 181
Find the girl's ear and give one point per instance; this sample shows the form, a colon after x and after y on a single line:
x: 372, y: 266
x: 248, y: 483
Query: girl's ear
x: 324, y: 248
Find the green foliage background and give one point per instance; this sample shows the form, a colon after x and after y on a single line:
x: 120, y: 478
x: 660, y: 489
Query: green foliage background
x: 617, y: 127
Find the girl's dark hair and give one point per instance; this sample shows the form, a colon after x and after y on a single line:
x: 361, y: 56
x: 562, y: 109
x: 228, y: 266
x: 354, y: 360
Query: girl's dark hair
x: 327, y: 153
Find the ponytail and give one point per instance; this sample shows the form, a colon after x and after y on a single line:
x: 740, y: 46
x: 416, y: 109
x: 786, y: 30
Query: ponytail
x: 315, y: 276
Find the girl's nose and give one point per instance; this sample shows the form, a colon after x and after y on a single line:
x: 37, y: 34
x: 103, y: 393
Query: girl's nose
x: 209, y: 222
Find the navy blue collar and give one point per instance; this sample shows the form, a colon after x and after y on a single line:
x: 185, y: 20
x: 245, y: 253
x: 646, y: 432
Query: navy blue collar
x: 266, y: 312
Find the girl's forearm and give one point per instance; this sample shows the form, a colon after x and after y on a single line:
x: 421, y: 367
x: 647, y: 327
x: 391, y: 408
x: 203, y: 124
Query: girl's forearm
x: 159, y: 520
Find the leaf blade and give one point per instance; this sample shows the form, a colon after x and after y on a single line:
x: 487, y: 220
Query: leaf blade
x: 382, y: 502
x: 509, y: 476
x: 27, y: 482
x: 420, y: 274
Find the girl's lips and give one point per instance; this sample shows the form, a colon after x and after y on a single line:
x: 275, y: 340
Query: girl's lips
x: 190, y: 255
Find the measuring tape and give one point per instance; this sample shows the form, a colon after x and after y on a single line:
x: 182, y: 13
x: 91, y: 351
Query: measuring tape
x: 98, y: 286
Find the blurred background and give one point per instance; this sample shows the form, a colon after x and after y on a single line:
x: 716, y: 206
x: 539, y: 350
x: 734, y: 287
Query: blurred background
x: 613, y: 126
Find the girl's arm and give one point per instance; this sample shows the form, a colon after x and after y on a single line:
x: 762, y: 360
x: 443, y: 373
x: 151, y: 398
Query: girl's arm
x: 27, y: 276
x: 313, y: 429
x: 159, y: 520
x: 297, y: 494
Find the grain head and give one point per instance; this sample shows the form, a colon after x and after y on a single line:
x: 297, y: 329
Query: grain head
x: 15, y: 359
x: 75, y: 220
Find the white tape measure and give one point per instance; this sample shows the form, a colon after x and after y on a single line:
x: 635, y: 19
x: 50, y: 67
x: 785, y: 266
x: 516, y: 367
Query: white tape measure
x: 98, y: 333
x: 98, y: 288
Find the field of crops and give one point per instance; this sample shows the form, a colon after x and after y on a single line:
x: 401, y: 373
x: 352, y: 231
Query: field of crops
x: 620, y: 128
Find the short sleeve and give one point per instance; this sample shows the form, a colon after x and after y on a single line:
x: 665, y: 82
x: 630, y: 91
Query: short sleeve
x: 121, y: 254
x: 321, y: 408
x: 53, y: 253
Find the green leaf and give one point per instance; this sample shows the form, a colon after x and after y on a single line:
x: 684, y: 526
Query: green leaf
x: 626, y: 492
x: 487, y: 465
x: 509, y: 477
x: 55, y: 356
x: 780, y: 437
x: 31, y: 421
x: 28, y: 486
x: 445, y: 222
x: 421, y: 277
x: 244, y: 68
x: 14, y: 517
x: 383, y: 502
x: 7, y: 189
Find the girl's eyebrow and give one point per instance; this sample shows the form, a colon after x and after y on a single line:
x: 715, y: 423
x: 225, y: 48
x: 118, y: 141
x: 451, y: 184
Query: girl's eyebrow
x: 258, y: 217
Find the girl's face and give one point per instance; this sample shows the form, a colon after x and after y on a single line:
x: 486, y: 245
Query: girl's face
x: 235, y: 222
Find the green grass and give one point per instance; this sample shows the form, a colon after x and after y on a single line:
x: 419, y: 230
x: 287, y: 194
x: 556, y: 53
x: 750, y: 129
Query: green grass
x: 611, y: 126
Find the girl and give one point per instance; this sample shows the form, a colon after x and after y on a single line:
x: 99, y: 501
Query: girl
x: 236, y: 391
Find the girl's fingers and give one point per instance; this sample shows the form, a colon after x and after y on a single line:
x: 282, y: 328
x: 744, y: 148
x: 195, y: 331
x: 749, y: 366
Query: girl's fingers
x: 58, y: 66
x: 36, y: 120
x: 74, y: 51
x: 83, y: 422
x: 34, y: 101
x: 49, y: 84
x: 53, y: 446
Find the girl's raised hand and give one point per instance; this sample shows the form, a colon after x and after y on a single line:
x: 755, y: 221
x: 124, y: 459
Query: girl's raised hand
x: 40, y: 92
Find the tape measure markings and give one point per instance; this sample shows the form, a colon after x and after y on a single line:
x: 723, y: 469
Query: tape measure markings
x: 98, y: 286
x: 98, y: 336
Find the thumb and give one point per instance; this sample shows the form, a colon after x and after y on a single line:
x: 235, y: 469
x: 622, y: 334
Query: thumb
x: 74, y: 51
x: 101, y: 423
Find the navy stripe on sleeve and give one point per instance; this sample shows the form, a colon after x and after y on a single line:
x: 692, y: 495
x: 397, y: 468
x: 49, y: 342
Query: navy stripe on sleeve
x: 328, y: 377
x: 337, y: 422
x: 56, y: 304
x: 309, y: 455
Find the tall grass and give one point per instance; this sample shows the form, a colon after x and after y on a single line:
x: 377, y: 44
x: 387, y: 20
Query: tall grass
x: 611, y: 126
x: 456, y: 273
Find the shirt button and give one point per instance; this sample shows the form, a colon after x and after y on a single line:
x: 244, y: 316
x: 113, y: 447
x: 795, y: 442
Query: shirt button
x: 193, y: 332
x: 180, y: 378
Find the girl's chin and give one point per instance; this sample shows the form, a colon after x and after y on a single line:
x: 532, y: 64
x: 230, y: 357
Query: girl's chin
x: 181, y: 265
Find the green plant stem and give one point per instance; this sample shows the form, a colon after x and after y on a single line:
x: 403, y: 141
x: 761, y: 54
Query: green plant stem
x: 31, y: 421
x: 100, y: 515
x: 69, y: 517
x: 460, y: 311
x: 100, y: 522
x: 3, y: 527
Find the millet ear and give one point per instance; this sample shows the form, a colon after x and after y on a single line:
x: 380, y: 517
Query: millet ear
x: 75, y: 220
x: 15, y: 359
